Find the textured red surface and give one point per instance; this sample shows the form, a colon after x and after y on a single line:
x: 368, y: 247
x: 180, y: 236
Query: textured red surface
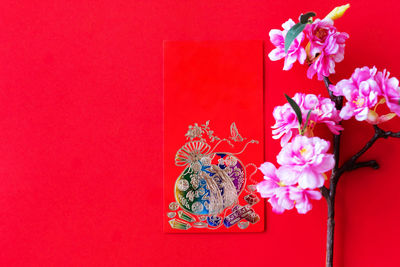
x: 220, y: 82
x: 81, y: 136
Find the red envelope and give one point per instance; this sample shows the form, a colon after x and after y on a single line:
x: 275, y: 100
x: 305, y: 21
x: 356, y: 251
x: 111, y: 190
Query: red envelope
x: 213, y: 136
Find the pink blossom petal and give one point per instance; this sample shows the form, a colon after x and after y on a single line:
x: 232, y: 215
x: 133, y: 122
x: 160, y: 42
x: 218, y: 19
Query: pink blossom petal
x: 267, y: 188
x: 362, y: 115
x: 328, y: 162
x: 275, y: 206
x: 302, y: 55
x: 276, y: 54
x: 283, y: 195
x: 303, y: 207
x: 310, y: 179
x: 289, y: 60
x: 268, y: 169
x: 287, y: 175
x: 285, y: 139
x: 346, y: 112
x: 276, y: 37
x: 312, y: 194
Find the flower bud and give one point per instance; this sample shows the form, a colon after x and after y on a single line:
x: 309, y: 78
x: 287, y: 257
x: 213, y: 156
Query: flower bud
x: 372, y: 117
x: 337, y: 12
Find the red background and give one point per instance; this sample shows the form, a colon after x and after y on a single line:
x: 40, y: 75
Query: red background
x: 81, y: 136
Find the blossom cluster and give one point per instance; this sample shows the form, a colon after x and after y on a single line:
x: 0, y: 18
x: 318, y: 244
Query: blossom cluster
x: 323, y: 110
x: 304, y: 159
x: 364, y: 91
x: 320, y: 45
x: 303, y: 164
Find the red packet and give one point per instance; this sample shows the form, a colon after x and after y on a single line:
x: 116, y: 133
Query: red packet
x: 213, y: 136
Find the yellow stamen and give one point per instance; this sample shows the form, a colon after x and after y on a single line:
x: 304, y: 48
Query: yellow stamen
x: 359, y: 102
x: 382, y: 101
x: 281, y: 184
x: 303, y: 150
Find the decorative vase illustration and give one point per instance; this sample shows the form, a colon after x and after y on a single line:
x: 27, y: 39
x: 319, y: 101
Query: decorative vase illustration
x: 211, y: 182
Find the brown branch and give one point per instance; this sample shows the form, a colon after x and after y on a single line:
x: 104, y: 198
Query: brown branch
x: 372, y: 163
x: 386, y: 134
x: 351, y: 164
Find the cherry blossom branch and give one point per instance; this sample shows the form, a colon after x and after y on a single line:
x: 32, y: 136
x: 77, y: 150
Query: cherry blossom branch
x: 350, y: 165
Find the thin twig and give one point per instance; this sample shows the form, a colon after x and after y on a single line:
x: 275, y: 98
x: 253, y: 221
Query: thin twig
x: 372, y: 163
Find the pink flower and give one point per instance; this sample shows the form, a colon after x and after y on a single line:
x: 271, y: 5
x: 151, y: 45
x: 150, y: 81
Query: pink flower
x: 285, y: 121
x: 390, y: 90
x: 295, y: 52
x: 326, y: 47
x: 281, y: 200
x: 284, y: 197
x: 323, y: 111
x: 279, y: 196
x: 326, y: 112
x: 304, y: 161
x: 302, y: 199
x: 361, y: 92
x: 267, y: 187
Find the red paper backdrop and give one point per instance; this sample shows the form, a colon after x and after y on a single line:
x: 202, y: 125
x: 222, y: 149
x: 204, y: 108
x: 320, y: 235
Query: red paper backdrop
x: 81, y: 136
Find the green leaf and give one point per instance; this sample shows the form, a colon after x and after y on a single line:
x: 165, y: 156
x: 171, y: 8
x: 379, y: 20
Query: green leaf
x: 306, y: 123
x: 292, y: 34
x: 305, y: 18
x: 296, y: 109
